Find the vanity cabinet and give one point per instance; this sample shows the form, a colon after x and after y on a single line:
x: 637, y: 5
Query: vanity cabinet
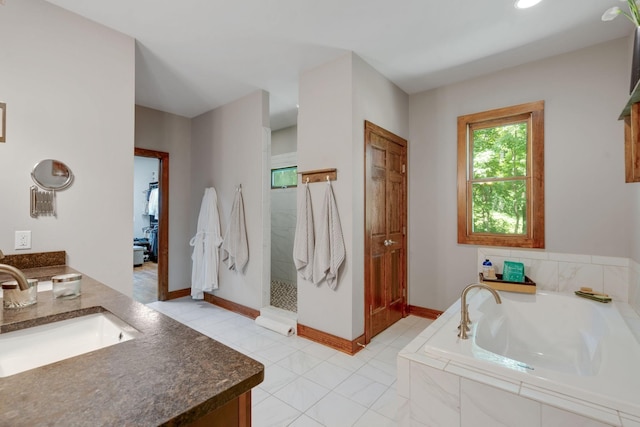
x: 236, y: 413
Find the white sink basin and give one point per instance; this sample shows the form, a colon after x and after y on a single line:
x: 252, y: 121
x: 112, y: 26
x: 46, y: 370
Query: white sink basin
x: 41, y: 345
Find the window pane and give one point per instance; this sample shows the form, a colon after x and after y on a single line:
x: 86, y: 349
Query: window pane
x: 500, y: 152
x: 285, y: 177
x: 500, y: 207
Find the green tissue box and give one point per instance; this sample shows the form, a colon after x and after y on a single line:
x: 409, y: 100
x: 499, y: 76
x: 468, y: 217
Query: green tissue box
x: 513, y: 272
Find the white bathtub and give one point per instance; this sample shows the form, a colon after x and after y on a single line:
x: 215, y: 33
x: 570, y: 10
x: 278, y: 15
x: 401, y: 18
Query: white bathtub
x: 577, y: 352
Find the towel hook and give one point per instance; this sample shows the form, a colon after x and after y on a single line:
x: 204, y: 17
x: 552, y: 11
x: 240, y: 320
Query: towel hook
x: 328, y: 180
x: 307, y: 181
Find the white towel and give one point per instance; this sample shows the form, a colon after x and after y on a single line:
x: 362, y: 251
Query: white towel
x: 153, y: 202
x: 330, y: 251
x: 204, y: 272
x: 235, y: 249
x: 304, y: 240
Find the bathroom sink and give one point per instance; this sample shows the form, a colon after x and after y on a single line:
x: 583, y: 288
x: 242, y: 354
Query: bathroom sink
x: 37, y: 346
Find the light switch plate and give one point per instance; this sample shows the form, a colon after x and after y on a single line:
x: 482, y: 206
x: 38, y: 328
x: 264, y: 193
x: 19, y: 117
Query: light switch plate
x: 23, y: 240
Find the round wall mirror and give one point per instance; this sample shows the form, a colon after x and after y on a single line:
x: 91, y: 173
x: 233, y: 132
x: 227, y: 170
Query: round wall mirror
x: 52, y: 174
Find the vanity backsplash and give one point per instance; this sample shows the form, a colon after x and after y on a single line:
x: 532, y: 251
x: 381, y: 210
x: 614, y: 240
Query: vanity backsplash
x: 36, y: 259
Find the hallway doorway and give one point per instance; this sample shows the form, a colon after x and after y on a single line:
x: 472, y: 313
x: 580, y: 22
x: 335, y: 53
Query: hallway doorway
x: 155, y: 242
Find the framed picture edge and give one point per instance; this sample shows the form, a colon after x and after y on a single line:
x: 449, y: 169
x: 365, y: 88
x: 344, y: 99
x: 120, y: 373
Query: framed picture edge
x: 3, y: 121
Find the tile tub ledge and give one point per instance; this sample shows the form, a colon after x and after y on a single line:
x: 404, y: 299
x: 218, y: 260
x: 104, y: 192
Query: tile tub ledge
x: 171, y: 375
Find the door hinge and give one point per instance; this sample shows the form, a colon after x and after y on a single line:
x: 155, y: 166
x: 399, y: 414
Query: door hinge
x: 404, y: 230
x: 404, y: 168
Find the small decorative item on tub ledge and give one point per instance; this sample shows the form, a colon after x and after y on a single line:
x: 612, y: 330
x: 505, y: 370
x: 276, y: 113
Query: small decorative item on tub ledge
x: 526, y: 287
x: 590, y: 294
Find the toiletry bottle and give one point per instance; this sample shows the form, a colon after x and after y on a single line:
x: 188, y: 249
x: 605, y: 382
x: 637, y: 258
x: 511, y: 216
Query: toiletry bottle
x: 486, y: 268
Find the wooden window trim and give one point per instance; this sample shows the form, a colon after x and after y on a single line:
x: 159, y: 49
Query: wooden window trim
x: 534, y: 238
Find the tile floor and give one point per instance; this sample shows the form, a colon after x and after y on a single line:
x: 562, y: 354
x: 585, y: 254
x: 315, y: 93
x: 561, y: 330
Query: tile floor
x: 307, y: 384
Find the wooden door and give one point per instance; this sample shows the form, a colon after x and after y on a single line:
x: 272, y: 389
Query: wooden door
x: 385, y: 229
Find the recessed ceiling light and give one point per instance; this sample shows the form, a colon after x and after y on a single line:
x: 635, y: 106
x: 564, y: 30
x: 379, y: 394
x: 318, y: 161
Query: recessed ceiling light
x: 524, y: 4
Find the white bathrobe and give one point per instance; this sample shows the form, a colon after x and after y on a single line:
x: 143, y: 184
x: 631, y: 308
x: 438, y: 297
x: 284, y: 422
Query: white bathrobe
x: 235, y: 248
x: 304, y: 240
x: 330, y: 251
x: 204, y: 273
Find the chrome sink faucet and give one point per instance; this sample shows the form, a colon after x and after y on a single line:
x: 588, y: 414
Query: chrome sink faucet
x: 464, y: 307
x: 15, y: 273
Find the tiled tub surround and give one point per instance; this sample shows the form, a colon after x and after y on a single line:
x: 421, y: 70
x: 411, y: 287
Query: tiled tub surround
x: 171, y: 375
x: 447, y: 383
x: 560, y: 272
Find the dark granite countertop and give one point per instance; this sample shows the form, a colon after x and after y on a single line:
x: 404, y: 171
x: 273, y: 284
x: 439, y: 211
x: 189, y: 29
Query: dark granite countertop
x: 170, y: 375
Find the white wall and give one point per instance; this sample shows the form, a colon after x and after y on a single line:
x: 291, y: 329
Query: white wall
x: 383, y: 103
x: 589, y: 208
x: 335, y: 99
x: 69, y: 88
x: 227, y: 150
x: 284, y: 141
x: 145, y: 170
x: 325, y: 141
x: 160, y: 131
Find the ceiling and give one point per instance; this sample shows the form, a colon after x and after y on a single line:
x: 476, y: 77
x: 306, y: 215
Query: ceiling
x: 196, y: 55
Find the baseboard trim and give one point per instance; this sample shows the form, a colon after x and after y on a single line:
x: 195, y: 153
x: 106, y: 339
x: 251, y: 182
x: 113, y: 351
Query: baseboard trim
x: 179, y: 293
x: 335, y: 342
x: 427, y: 313
x: 231, y: 306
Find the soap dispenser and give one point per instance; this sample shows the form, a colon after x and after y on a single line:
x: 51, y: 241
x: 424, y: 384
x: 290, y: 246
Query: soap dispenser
x: 488, y: 272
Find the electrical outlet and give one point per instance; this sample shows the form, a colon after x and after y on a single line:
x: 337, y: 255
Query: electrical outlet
x: 23, y: 240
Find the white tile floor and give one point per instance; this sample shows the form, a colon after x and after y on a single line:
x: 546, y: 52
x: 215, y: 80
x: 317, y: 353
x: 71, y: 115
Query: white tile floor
x: 307, y: 384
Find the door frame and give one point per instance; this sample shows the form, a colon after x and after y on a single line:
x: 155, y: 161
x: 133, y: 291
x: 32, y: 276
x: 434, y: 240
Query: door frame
x: 373, y: 128
x: 163, y: 221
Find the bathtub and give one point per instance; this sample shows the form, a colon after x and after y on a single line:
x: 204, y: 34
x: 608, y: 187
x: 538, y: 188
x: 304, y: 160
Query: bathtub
x: 568, y: 352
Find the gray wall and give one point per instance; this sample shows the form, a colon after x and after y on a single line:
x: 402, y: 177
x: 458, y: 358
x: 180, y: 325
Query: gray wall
x: 69, y: 88
x: 335, y: 99
x: 228, y: 149
x: 589, y: 208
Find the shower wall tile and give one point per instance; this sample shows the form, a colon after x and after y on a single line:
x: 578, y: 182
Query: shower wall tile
x: 616, y: 282
x: 283, y: 228
x: 282, y: 247
x: 574, y: 258
x: 572, y: 276
x: 543, y: 272
x: 285, y: 218
x: 283, y: 271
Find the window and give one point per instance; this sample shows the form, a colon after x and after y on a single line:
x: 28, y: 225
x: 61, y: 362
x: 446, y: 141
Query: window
x: 501, y: 177
x: 284, y: 177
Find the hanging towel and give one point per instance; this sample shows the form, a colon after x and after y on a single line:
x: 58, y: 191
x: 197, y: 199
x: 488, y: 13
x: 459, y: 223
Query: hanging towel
x: 153, y: 202
x: 330, y: 250
x: 304, y: 240
x: 235, y: 249
x: 204, y: 272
